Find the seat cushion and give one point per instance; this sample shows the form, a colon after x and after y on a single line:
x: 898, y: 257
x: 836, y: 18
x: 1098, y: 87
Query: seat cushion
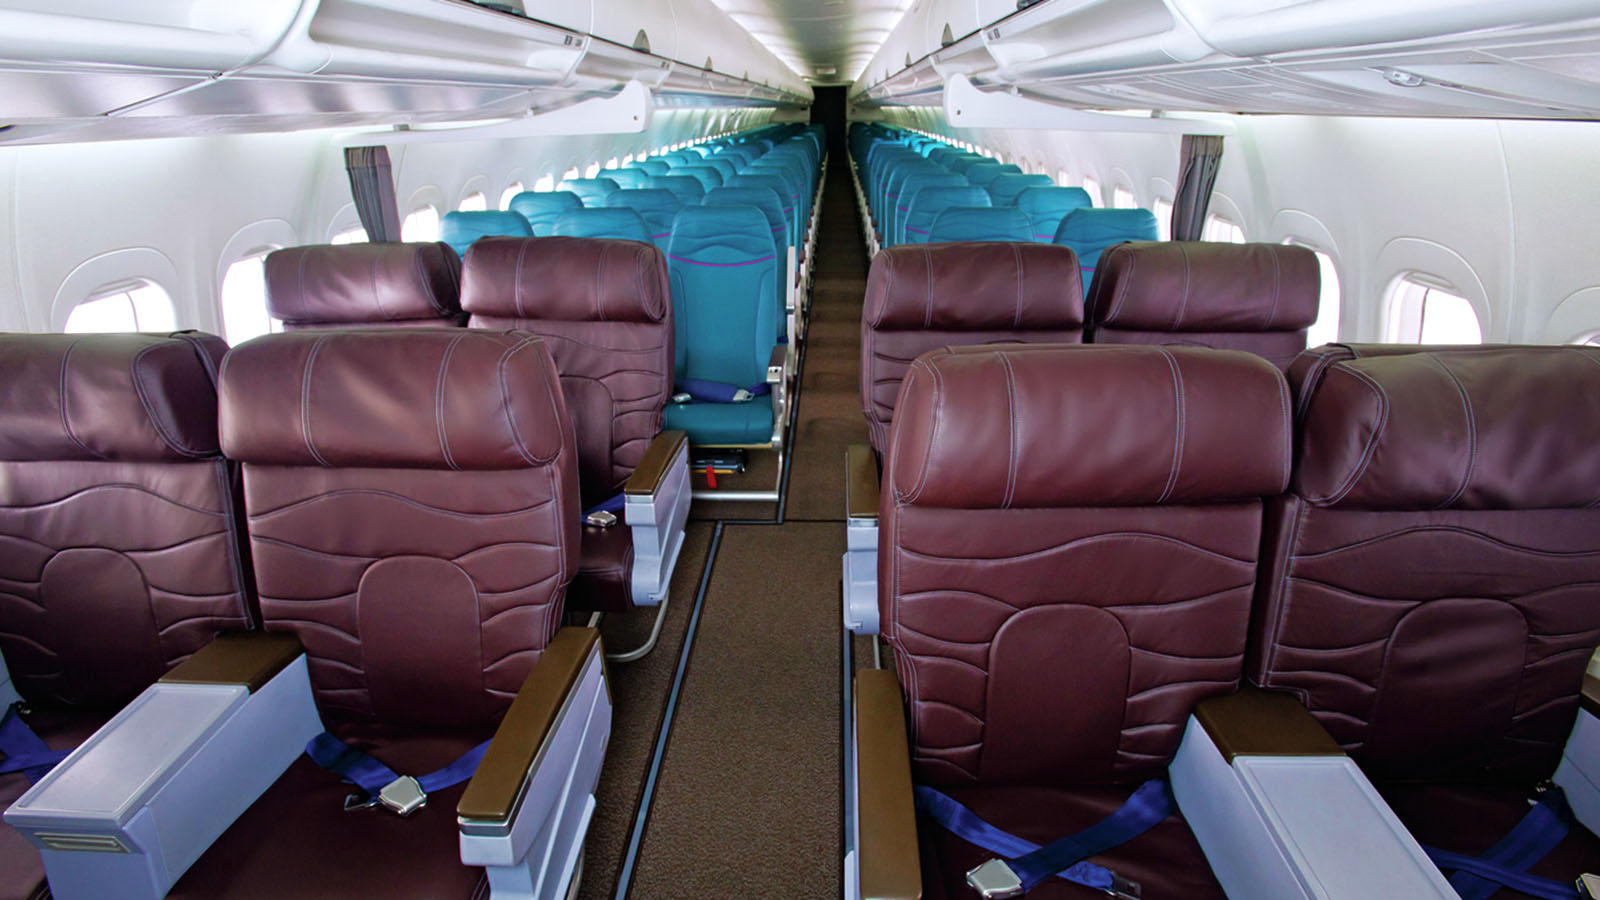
x: 1166, y: 861
x: 723, y: 424
x: 297, y: 840
x: 604, y: 582
x: 1469, y: 818
x: 21, y: 869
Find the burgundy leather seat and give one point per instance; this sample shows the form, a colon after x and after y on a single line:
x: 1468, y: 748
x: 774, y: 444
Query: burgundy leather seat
x: 365, y: 286
x: 923, y: 297
x: 413, y: 515
x: 1430, y: 589
x: 120, y: 545
x: 604, y: 310
x: 1255, y: 297
x: 1070, y: 538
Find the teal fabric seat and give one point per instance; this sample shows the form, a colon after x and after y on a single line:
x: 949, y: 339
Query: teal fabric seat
x: 654, y: 167
x: 627, y: 179
x: 687, y: 190
x: 981, y: 223
x: 619, y: 224
x: 722, y: 261
x: 1045, y: 207
x: 724, y: 167
x: 592, y: 191
x: 930, y: 202
x: 709, y: 178
x: 766, y: 201
x: 774, y: 182
x: 460, y: 229
x: 540, y: 209
x: 895, y: 216
x: 892, y: 194
x: 656, y: 206
x: 1090, y: 231
x: 985, y: 172
x: 1004, y: 189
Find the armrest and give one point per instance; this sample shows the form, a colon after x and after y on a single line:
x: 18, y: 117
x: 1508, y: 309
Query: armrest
x: 861, y: 482
x: 1579, y: 771
x: 1254, y: 722
x: 8, y: 691
x: 248, y: 659
x: 886, y: 815
x: 656, y: 464
x: 776, y: 364
x: 1589, y: 699
x: 491, y: 796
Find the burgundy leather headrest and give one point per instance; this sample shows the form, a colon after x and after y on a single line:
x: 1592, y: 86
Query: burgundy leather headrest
x: 567, y: 279
x: 1051, y: 425
x: 1480, y: 428
x: 427, y: 399
x: 1178, y: 286
x: 975, y: 286
x: 362, y: 283
x: 126, y: 397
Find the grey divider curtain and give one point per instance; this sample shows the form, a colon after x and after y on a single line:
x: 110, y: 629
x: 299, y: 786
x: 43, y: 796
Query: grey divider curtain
x: 372, y: 185
x: 1202, y: 156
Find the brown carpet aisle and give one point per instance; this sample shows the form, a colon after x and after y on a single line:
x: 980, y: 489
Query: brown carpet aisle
x: 639, y: 696
x: 749, y: 802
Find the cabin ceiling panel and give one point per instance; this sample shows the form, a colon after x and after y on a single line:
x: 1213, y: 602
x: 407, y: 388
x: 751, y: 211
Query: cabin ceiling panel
x: 812, y: 36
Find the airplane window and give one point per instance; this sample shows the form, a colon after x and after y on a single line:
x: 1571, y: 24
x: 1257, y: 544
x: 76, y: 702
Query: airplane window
x: 1096, y: 198
x: 1221, y: 230
x: 1588, y: 340
x: 1422, y: 313
x: 1122, y: 198
x: 627, y: 160
x: 1063, y: 177
x: 1163, y: 212
x: 475, y: 202
x: 357, y: 235
x: 244, y: 300
x: 545, y: 183
x: 421, y: 226
x: 592, y: 171
x: 136, y: 306
x: 570, y: 174
x: 512, y: 189
x: 1325, y: 330
x: 612, y: 163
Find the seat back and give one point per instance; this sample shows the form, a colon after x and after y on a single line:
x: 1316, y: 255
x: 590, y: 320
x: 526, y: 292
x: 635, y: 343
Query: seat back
x: 930, y: 202
x: 460, y: 229
x: 118, y: 515
x: 592, y: 191
x: 980, y: 223
x: 1431, y: 594
x: 1004, y: 189
x: 1255, y: 297
x: 709, y: 177
x: 985, y: 172
x: 721, y: 259
x: 772, y: 181
x: 626, y: 179
x: 364, y: 286
x: 541, y: 208
x: 761, y: 198
x: 950, y: 295
x: 413, y: 512
x: 654, y: 168
x: 688, y: 190
x: 656, y: 206
x: 724, y: 167
x: 1090, y: 231
x: 1047, y: 206
x: 894, y: 224
x: 604, y: 310
x: 1064, y: 580
x: 616, y: 223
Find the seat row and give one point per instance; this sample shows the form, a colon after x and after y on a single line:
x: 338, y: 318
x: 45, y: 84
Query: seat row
x: 326, y: 570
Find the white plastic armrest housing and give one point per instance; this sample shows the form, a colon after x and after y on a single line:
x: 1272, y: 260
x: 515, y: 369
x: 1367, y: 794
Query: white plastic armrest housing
x: 535, y: 856
x: 8, y: 691
x: 1579, y: 772
x: 860, y: 567
x: 132, y: 808
x: 1292, y: 827
x: 658, y: 522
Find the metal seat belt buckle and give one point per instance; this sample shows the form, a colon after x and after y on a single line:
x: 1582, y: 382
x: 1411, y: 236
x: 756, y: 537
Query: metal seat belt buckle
x: 994, y: 880
x: 1588, y: 885
x: 1124, y: 888
x: 404, y: 795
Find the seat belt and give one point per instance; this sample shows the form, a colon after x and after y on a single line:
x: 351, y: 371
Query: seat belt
x: 607, y: 512
x: 717, y: 392
x: 23, y: 750
x: 1506, y: 863
x: 1022, y: 864
x: 403, y: 794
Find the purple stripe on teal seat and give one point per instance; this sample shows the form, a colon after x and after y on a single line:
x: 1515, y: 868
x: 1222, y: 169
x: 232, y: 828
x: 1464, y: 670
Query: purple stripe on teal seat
x: 748, y: 262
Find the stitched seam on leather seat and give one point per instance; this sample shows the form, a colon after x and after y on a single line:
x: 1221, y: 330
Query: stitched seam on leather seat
x: 1288, y: 433
x: 1177, y: 439
x: 505, y: 398
x: 1124, y: 285
x: 1472, y: 431
x: 1277, y: 286
x: 1183, y: 302
x: 1371, y: 447
x: 1276, y: 602
x: 1016, y: 317
x: 1011, y: 428
x: 66, y: 424
x: 230, y: 529
x: 516, y: 281
x: 438, y: 402
x: 305, y: 401
x: 427, y: 285
x: 938, y: 421
x: 377, y: 295
x: 150, y: 409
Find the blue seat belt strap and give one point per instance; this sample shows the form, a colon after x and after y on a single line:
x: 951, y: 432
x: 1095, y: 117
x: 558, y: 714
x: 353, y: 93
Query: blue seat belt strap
x: 1534, y: 836
x: 24, y: 751
x: 717, y: 392
x: 1064, y: 858
x: 379, y: 781
x: 612, y: 505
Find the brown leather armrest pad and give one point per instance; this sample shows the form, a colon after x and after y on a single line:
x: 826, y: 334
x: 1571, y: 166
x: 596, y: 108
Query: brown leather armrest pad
x: 491, y: 795
x: 1254, y: 722
x: 861, y: 482
x: 890, y: 866
x: 1590, y: 698
x: 658, y: 457
x: 247, y: 658
x: 779, y: 357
